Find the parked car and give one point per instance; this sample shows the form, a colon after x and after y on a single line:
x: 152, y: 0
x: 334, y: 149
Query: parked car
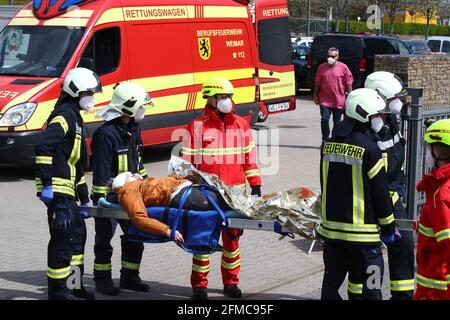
x: 357, y: 51
x: 300, y: 61
x: 418, y: 46
x: 302, y: 41
x: 439, y: 44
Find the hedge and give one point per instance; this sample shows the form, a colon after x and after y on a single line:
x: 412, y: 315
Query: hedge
x: 399, y: 28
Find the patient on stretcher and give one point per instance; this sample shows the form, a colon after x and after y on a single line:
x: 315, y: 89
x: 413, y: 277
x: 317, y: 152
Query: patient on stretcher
x: 135, y: 194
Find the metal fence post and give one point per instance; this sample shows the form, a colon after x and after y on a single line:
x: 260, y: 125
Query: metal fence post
x: 413, y: 151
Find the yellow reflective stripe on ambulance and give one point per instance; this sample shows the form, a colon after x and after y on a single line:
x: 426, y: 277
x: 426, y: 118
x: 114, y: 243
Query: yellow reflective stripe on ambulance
x: 402, y: 285
x: 62, y: 122
x: 431, y: 283
x: 58, y: 273
x: 44, y: 160
x: 387, y: 220
x: 171, y: 13
x: 376, y: 168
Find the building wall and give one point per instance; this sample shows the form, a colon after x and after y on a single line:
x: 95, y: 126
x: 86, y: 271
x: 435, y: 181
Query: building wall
x: 430, y: 72
x: 405, y: 17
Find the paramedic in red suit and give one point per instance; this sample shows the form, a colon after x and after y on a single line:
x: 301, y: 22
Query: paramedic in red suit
x: 220, y: 142
x: 433, y: 243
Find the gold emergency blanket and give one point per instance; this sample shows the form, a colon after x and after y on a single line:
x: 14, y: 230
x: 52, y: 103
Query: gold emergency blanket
x: 298, y: 210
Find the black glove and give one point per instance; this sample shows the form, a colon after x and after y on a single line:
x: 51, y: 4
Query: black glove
x: 256, y: 191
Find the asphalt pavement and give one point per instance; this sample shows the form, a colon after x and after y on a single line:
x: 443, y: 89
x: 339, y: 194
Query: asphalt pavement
x: 270, y: 268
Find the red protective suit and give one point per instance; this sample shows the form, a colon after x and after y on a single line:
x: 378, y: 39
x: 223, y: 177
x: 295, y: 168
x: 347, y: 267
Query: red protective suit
x: 433, y: 247
x: 223, y: 147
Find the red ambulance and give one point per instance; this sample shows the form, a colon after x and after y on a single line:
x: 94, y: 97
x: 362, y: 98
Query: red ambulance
x: 168, y: 46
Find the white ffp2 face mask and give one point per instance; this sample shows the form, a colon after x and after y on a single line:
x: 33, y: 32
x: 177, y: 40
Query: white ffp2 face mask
x: 395, y: 106
x: 225, y: 105
x: 331, y: 61
x: 87, y: 103
x: 376, y: 124
x: 140, y: 114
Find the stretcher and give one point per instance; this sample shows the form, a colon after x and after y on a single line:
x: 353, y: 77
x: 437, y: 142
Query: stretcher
x: 110, y: 210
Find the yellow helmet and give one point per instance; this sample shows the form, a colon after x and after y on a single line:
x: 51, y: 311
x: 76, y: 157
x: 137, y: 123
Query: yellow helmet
x: 439, y: 131
x: 213, y: 86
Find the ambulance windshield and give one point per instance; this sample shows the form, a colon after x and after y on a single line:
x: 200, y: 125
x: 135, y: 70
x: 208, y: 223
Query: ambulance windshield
x: 36, y: 51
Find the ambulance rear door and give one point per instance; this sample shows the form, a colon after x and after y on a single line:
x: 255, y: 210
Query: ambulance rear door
x: 275, y: 69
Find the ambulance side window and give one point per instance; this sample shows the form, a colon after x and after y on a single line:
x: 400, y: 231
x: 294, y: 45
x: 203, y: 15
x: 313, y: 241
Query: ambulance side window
x: 102, y: 54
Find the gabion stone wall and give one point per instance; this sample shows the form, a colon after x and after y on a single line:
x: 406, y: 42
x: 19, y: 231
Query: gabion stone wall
x: 430, y: 72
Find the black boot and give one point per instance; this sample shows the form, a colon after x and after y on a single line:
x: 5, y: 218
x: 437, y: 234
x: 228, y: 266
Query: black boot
x: 199, y: 293
x: 83, y: 294
x: 232, y: 291
x: 133, y: 283
x: 106, y: 286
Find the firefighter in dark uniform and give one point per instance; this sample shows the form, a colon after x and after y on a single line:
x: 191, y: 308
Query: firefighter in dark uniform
x: 60, y: 155
x: 356, y: 206
x: 392, y: 145
x: 117, y: 148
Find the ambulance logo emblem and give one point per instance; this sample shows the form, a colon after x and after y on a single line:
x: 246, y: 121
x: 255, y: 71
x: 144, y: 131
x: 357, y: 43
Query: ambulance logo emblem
x: 47, y: 9
x: 204, y: 48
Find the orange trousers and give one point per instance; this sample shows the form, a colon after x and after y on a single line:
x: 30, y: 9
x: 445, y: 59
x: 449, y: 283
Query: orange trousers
x: 230, y: 264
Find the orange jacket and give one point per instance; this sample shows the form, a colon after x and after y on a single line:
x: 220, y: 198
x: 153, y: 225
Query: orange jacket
x: 137, y: 195
x: 223, y: 147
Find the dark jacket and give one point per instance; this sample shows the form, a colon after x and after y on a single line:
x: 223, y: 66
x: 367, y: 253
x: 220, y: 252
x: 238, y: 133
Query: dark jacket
x: 355, y: 194
x: 61, y: 152
x: 116, y: 148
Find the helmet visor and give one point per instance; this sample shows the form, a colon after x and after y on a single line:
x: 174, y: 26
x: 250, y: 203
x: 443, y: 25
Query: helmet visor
x: 403, y: 92
x: 98, y: 87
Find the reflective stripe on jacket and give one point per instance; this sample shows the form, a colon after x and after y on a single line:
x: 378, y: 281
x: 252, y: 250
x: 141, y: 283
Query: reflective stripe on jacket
x: 223, y: 147
x: 355, y: 196
x: 61, y: 151
x: 116, y: 148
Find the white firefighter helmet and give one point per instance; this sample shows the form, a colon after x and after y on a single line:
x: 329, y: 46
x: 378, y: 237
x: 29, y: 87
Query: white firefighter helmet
x: 129, y: 98
x: 363, y: 103
x: 386, y: 83
x: 81, y: 80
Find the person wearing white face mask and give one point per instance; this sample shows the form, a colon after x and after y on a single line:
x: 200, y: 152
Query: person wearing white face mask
x: 60, y: 155
x: 356, y: 207
x: 220, y: 142
x: 116, y: 148
x: 392, y: 145
x: 332, y: 82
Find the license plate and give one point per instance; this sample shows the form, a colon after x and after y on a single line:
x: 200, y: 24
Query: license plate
x: 278, y: 107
